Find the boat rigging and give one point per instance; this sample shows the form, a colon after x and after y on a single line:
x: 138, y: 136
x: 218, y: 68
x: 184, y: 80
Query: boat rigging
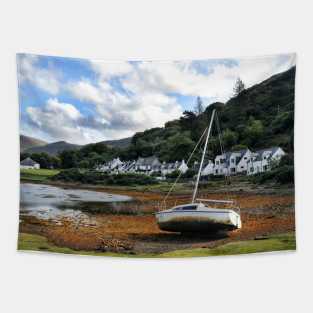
x: 195, y: 216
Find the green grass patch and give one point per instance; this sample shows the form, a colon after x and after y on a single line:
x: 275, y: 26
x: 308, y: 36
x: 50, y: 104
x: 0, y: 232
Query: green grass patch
x: 39, y: 243
x: 273, y: 243
x: 38, y: 174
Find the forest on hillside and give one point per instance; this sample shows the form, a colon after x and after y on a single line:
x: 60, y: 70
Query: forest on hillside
x: 258, y: 117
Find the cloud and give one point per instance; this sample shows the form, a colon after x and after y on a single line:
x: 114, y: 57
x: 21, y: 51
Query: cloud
x: 62, y: 121
x: 127, y: 97
x: 214, y: 82
x: 107, y: 70
x: 29, y: 70
x: 125, y: 113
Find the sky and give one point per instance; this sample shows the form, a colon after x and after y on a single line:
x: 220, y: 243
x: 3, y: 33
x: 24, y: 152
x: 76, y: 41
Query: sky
x: 82, y: 101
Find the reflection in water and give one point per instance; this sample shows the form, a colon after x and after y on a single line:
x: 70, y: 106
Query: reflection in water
x: 44, y: 201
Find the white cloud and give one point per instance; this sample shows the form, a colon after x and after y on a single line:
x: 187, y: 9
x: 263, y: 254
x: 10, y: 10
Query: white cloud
x: 144, y: 97
x: 182, y: 77
x: 60, y: 120
x: 126, y: 114
x: 109, y: 69
x: 43, y: 78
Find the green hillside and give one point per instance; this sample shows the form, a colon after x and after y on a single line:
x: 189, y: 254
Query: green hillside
x: 259, y: 117
x: 53, y: 148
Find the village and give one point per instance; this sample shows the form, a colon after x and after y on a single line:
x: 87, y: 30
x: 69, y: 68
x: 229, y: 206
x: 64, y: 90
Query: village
x: 243, y: 162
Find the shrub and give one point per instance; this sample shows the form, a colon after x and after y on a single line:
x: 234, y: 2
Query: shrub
x: 69, y: 175
x: 95, y: 177
x: 131, y: 179
x: 285, y: 174
x: 282, y: 175
x: 173, y: 174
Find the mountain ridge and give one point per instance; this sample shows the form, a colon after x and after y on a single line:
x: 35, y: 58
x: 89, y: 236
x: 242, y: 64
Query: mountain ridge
x: 27, y: 142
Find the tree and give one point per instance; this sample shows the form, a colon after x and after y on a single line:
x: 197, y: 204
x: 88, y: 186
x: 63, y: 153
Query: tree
x: 254, y: 132
x: 177, y: 147
x: 68, y: 159
x: 239, y: 87
x: 198, y: 109
x: 43, y: 159
x: 188, y: 120
x: 229, y: 138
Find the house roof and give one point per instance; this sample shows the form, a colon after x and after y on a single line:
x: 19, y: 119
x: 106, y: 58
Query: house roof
x: 227, y: 156
x: 152, y: 160
x: 271, y: 149
x: 259, y: 153
x: 28, y: 162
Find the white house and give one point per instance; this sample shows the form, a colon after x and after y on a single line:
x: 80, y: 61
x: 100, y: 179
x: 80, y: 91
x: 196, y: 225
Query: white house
x: 183, y: 167
x: 148, y: 165
x: 167, y: 168
x: 242, y: 165
x: 112, y: 165
x: 127, y: 167
x: 208, y: 169
x: 263, y: 160
x: 29, y: 163
x: 231, y: 163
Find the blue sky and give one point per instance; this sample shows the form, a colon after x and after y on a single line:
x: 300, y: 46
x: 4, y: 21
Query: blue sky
x: 83, y: 101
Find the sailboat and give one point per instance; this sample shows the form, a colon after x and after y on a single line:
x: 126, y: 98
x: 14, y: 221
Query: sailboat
x: 197, y: 216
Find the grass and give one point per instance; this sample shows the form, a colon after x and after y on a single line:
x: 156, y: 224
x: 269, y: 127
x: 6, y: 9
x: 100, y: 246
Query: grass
x: 39, y: 175
x: 39, y: 243
x: 273, y: 243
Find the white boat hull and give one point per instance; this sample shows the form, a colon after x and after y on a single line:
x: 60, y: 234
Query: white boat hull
x: 205, y: 220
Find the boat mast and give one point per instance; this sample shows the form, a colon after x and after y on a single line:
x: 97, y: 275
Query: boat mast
x: 202, y: 159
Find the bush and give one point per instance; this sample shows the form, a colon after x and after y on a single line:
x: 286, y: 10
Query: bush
x: 174, y: 174
x: 282, y: 175
x: 131, y: 179
x: 95, y: 177
x: 285, y: 174
x: 69, y: 175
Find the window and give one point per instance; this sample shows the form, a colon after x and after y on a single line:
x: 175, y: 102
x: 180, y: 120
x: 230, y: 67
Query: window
x: 233, y: 170
x: 232, y: 160
x: 241, y: 166
x: 245, y: 158
x: 216, y: 171
x: 252, y: 169
x: 186, y: 208
x: 189, y: 207
x: 217, y: 162
x: 265, y: 167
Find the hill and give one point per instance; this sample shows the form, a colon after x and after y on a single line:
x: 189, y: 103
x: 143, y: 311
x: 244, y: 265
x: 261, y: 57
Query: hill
x: 271, y: 103
x: 119, y: 143
x: 260, y: 116
x: 54, y: 148
x: 27, y: 142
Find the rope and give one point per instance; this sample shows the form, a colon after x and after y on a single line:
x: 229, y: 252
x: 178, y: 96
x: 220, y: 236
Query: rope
x: 172, y: 187
x: 227, y: 176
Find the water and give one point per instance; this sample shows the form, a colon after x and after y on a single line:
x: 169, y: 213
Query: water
x: 45, y: 201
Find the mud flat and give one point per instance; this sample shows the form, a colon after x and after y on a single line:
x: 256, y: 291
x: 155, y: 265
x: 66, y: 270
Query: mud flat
x: 136, y: 232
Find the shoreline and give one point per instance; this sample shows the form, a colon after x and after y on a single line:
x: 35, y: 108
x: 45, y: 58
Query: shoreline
x: 263, y: 215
